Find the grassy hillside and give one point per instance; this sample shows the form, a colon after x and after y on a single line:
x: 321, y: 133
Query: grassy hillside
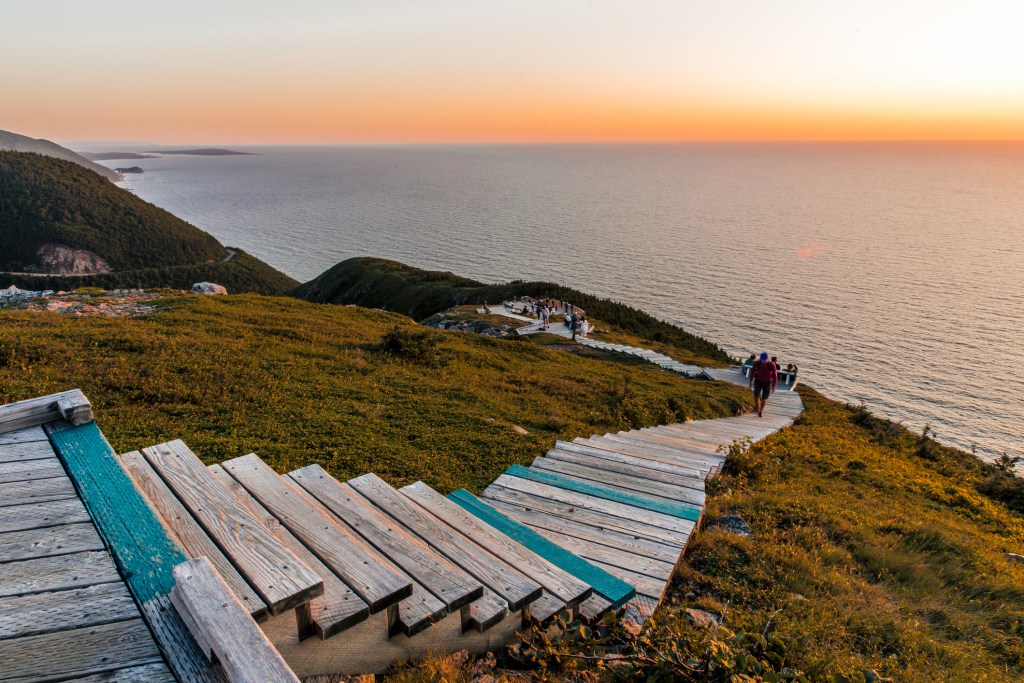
x: 393, y: 286
x: 44, y: 200
x: 352, y: 389
x: 12, y: 142
x: 875, y: 553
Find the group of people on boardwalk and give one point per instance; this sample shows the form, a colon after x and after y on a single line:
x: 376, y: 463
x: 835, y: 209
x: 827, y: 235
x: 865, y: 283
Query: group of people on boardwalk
x: 763, y: 375
x: 574, y: 318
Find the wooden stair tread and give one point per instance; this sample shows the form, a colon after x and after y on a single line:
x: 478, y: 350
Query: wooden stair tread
x: 280, y: 579
x: 344, y: 553
x: 621, y: 482
x: 509, y: 584
x: 555, y: 581
x: 329, y: 614
x: 443, y: 579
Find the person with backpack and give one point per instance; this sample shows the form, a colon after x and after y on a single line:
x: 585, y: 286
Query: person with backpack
x: 763, y: 378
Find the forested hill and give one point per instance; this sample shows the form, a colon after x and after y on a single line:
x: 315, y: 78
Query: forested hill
x: 393, y: 286
x: 47, y: 201
x: 12, y: 142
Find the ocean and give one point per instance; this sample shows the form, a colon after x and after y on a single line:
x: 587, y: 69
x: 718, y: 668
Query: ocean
x: 891, y: 273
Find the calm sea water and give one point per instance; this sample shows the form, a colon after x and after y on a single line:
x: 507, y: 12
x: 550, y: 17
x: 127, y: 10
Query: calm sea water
x: 891, y: 273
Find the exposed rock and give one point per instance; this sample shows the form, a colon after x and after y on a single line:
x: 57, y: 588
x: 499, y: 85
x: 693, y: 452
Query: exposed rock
x: 13, y: 295
x: 59, y: 259
x: 519, y: 430
x: 733, y: 524
x: 209, y: 288
x: 1016, y: 557
x: 699, y: 617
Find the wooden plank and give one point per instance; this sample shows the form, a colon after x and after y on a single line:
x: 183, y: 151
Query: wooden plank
x: 62, y: 572
x: 138, y: 541
x: 241, y: 648
x: 29, y: 615
x: 513, y: 587
x: 555, y: 581
x: 26, y: 435
x: 544, y: 607
x: 148, y: 673
x: 620, y: 482
x: 40, y: 515
x: 37, y: 411
x: 630, y: 467
x: 645, y: 585
x: 697, y: 463
x: 677, y: 526
x: 360, y: 567
x: 79, y: 652
x: 32, y: 469
x: 642, y: 502
x: 36, y: 491
x: 602, y: 555
x: 329, y: 614
x: 451, y: 585
x: 699, y: 458
x: 695, y: 443
x: 601, y: 536
x: 279, y: 578
x: 648, y: 460
x: 176, y: 642
x: 188, y: 532
x: 56, y: 540
x: 480, y: 615
x: 605, y: 584
x: 28, y: 450
x: 593, y: 608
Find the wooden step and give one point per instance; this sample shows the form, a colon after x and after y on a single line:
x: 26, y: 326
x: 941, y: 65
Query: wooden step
x: 451, y: 585
x: 622, y: 482
x: 361, y: 568
x: 280, y: 579
x: 555, y: 581
x: 629, y: 467
x: 512, y: 586
x: 651, y: 504
x: 327, y: 615
x: 613, y: 589
x: 187, y: 531
x: 645, y: 458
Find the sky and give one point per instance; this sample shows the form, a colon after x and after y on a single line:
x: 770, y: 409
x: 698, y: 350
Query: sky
x: 394, y: 71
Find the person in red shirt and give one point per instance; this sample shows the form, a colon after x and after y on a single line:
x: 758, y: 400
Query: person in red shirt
x: 763, y: 378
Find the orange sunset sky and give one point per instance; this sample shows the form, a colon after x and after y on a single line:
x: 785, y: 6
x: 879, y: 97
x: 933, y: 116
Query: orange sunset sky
x: 308, y: 71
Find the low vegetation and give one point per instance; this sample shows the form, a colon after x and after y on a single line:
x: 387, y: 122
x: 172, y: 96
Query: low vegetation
x: 353, y: 389
x: 393, y: 286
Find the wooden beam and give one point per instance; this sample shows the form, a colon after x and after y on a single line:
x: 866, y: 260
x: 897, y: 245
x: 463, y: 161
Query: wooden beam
x: 68, y: 405
x: 225, y: 627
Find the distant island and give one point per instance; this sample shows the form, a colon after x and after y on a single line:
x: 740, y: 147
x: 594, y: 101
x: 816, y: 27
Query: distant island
x: 117, y: 156
x: 205, y: 152
x: 130, y: 169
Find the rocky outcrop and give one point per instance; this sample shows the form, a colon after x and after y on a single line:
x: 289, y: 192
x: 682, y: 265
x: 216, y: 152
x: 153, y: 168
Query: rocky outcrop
x: 57, y: 259
x: 209, y: 288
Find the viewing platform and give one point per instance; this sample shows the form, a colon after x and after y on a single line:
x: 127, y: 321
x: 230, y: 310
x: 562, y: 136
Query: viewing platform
x: 152, y: 566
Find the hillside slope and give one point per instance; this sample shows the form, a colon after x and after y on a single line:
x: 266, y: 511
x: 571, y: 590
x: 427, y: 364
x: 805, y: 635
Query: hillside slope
x: 393, y: 286
x: 46, y: 202
x: 12, y: 142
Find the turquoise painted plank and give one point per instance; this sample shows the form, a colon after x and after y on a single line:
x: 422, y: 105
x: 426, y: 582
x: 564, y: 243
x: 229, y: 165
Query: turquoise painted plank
x: 681, y: 510
x: 138, y: 541
x: 608, y: 586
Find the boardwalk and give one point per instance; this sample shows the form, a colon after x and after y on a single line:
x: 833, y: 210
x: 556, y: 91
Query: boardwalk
x: 326, y: 576
x: 65, y: 612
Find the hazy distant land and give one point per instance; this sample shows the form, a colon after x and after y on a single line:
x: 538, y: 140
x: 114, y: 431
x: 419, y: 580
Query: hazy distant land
x: 117, y: 156
x: 204, y: 152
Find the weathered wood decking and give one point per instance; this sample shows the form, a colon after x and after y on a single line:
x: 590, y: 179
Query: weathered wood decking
x: 65, y: 612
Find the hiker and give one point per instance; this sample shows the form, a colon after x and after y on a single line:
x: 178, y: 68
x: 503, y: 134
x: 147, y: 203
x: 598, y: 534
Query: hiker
x: 763, y: 378
x: 748, y: 365
x: 487, y: 309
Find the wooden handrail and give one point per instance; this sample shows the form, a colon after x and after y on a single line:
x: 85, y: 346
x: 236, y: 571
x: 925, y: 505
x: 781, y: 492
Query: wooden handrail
x: 71, y: 405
